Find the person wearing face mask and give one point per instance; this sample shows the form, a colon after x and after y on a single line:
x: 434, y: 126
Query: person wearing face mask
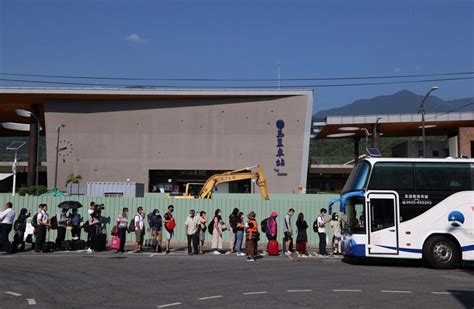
x: 139, y: 230
x: 156, y: 226
x: 170, y: 224
x: 217, y: 232
x: 122, y: 223
x: 336, y: 233
x: 191, y: 229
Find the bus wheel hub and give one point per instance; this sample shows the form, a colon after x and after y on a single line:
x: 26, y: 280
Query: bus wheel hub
x: 442, y: 252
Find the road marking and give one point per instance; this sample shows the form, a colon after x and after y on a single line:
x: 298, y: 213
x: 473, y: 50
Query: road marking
x: 13, y: 293
x: 347, y: 290
x: 298, y: 291
x: 255, y: 293
x: 443, y: 293
x: 31, y: 301
x: 391, y: 291
x: 169, y: 305
x: 210, y: 297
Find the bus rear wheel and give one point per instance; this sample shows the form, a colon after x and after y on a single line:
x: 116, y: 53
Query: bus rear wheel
x: 441, y: 252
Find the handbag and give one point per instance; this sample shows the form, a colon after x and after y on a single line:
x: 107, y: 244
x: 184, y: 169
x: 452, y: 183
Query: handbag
x: 115, y: 243
x: 114, y: 231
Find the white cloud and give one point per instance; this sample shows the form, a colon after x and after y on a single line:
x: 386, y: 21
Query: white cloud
x: 135, y: 38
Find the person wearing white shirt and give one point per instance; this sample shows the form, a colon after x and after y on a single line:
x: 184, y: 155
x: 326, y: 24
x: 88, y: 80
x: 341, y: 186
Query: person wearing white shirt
x: 322, y: 232
x: 42, y: 220
x: 139, y: 229
x: 191, y: 229
x: 6, y: 219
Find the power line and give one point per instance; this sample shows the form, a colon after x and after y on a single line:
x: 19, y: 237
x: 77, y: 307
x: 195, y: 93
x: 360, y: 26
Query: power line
x: 451, y: 111
x: 241, y: 87
x: 239, y: 79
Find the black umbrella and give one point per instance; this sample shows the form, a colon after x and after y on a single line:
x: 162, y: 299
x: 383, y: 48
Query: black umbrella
x: 70, y: 205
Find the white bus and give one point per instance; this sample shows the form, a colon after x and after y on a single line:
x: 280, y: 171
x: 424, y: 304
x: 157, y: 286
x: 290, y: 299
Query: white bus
x: 410, y: 208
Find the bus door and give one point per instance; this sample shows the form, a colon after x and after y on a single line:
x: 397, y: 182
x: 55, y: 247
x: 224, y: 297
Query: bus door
x: 382, y: 209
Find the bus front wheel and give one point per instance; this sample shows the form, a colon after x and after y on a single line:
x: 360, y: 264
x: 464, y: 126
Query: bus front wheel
x: 441, y: 252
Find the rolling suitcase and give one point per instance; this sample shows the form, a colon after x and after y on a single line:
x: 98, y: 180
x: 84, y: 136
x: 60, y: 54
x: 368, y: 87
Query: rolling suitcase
x: 48, y: 246
x: 101, y: 240
x: 273, y: 247
x: 66, y: 245
x: 78, y: 244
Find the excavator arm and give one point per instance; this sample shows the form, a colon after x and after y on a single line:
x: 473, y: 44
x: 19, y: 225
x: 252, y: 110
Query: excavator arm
x: 241, y: 174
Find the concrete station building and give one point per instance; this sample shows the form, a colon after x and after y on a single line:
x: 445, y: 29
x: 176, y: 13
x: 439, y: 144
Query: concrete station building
x: 164, y: 138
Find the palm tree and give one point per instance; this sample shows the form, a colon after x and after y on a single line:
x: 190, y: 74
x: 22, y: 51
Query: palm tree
x: 71, y: 178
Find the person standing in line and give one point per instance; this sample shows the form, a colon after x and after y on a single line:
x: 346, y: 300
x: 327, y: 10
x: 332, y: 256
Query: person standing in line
x: 42, y: 221
x: 139, y: 230
x: 233, y: 228
x: 251, y: 239
x: 202, y: 230
x: 191, y: 225
x: 239, y: 236
x: 170, y: 224
x: 272, y: 226
x: 7, y: 216
x: 75, y: 220
x: 62, y: 225
x: 217, y: 232
x: 90, y: 213
x: 20, y: 228
x: 156, y: 225
x: 289, y: 231
x: 302, y: 237
x: 336, y: 233
x: 95, y: 232
x: 322, y: 232
x: 122, y: 224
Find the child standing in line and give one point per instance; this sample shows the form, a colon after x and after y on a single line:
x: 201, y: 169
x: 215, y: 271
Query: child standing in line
x: 251, y: 239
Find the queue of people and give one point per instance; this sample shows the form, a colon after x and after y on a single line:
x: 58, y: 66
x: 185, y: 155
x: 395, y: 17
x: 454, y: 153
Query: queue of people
x: 243, y: 230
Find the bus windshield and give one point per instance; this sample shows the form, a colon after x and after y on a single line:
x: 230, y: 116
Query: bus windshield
x: 358, y: 177
x: 355, y: 216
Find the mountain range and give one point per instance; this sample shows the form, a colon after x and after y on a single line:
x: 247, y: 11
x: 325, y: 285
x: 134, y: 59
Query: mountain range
x: 402, y: 102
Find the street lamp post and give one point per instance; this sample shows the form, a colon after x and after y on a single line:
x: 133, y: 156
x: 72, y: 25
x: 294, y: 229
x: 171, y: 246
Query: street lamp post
x: 58, y: 128
x: 421, y: 110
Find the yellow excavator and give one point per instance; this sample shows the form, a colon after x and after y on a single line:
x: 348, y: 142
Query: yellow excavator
x: 240, y: 174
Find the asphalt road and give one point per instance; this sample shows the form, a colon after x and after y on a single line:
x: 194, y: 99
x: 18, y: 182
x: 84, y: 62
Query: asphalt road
x: 110, y: 280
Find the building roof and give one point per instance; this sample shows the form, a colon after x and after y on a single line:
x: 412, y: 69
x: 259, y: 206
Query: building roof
x: 392, y: 125
x: 24, y: 98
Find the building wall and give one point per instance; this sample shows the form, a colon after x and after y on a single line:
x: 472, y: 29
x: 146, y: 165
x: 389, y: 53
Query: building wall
x: 413, y: 149
x: 466, y: 137
x: 119, y: 140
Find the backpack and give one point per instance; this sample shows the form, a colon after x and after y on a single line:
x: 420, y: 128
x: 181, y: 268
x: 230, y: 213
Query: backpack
x: 210, y: 227
x: 131, y: 226
x: 263, y: 225
x: 170, y: 225
x: 16, y: 225
x: 54, y: 222
x: 315, y: 225
x: 34, y: 221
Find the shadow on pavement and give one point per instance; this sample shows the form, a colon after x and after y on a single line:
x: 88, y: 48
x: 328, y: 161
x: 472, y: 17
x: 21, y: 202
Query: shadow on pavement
x: 466, y: 298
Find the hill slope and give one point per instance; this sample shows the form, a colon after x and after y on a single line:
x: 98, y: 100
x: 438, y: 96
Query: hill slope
x: 402, y: 102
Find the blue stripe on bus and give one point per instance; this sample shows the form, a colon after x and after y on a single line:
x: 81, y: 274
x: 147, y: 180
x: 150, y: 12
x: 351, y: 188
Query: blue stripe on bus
x: 468, y: 248
x: 410, y: 250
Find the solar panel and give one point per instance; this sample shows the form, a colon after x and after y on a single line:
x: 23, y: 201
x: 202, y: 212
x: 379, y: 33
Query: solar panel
x: 15, y: 145
x: 374, y: 152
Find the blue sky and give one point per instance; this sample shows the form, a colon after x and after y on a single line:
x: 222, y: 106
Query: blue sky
x: 243, y: 39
